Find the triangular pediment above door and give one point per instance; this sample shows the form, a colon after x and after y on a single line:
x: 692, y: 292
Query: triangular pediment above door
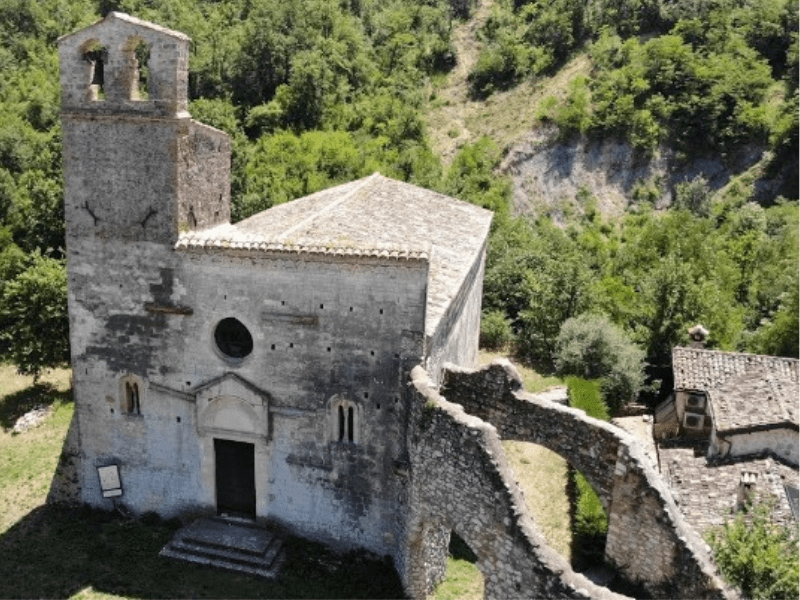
x: 230, y: 406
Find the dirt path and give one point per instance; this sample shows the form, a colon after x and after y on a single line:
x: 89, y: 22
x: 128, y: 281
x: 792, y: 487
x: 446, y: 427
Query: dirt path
x: 450, y: 108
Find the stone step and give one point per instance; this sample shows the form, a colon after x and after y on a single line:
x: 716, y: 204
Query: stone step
x: 266, y: 561
x: 237, y: 546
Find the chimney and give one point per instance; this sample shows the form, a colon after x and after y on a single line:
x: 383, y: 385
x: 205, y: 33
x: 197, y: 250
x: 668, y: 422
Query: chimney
x: 698, y: 335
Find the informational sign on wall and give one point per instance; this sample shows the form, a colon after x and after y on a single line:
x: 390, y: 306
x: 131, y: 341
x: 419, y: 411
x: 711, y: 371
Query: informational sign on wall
x: 109, y: 481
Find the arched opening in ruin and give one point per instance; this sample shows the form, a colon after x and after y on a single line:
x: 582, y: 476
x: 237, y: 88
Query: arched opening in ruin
x: 566, y: 508
x: 94, y: 53
x: 463, y: 578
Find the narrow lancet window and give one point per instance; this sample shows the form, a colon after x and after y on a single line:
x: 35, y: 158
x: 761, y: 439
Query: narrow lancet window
x: 350, y: 416
x: 132, y: 398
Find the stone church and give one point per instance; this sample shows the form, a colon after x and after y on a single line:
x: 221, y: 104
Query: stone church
x: 257, y: 369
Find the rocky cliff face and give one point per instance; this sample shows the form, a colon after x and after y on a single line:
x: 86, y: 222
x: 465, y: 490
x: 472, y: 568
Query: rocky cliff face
x: 565, y: 178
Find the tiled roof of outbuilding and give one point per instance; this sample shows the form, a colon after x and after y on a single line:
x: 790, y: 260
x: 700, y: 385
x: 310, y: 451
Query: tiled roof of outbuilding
x: 745, y: 390
x: 706, y: 489
x: 755, y: 398
x: 374, y: 217
x: 702, y: 370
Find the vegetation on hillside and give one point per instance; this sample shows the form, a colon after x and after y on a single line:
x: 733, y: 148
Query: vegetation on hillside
x: 318, y: 92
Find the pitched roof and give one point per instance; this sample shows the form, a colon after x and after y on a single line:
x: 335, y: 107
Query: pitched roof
x: 120, y: 16
x: 374, y: 217
x: 756, y: 398
x: 700, y: 369
x: 745, y: 390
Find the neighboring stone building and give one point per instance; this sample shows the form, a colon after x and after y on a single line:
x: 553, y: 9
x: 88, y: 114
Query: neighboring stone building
x: 730, y: 434
x: 286, y: 368
x: 259, y: 368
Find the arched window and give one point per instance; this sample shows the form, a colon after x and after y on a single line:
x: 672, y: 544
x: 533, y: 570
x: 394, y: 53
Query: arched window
x: 344, y: 421
x: 95, y: 54
x: 131, y: 395
x: 136, y: 69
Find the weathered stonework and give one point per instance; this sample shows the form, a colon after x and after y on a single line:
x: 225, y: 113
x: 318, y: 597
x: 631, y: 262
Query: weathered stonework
x: 647, y: 538
x: 329, y: 302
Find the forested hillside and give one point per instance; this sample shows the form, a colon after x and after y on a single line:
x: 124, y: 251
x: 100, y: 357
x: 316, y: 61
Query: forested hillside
x: 318, y: 92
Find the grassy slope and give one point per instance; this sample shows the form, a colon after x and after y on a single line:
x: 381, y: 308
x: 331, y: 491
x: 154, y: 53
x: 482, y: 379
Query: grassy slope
x: 27, y: 460
x: 506, y: 117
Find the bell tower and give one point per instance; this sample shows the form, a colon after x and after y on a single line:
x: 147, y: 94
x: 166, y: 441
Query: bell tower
x: 136, y: 167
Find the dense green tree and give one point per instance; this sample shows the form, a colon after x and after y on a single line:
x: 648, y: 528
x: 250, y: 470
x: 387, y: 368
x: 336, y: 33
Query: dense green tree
x: 34, y: 308
x: 757, y: 556
x: 592, y: 347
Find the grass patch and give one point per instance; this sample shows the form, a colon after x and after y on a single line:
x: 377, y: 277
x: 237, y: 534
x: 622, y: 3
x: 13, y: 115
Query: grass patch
x: 28, y: 459
x: 59, y: 552
x: 533, y: 380
x: 542, y: 475
x: 463, y: 580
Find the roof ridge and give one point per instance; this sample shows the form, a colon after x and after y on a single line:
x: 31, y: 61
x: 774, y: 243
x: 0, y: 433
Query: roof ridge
x: 734, y: 353
x: 284, y: 235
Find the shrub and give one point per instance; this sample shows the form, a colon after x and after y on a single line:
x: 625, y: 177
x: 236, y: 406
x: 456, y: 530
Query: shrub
x: 756, y: 555
x: 694, y: 196
x: 495, y: 330
x: 593, y: 347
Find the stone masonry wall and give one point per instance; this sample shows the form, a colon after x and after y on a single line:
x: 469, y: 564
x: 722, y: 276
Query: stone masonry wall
x: 647, y: 538
x: 456, y: 338
x: 460, y: 481
x: 588, y: 444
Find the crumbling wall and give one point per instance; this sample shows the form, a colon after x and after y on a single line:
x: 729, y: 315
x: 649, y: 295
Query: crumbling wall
x: 460, y: 481
x: 460, y: 478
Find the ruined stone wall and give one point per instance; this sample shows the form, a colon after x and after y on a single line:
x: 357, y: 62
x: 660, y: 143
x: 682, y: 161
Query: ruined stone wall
x: 460, y: 481
x: 456, y: 338
x: 588, y: 444
x: 647, y: 539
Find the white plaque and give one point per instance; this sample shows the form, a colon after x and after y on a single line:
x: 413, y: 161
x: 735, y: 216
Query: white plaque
x: 109, y: 481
